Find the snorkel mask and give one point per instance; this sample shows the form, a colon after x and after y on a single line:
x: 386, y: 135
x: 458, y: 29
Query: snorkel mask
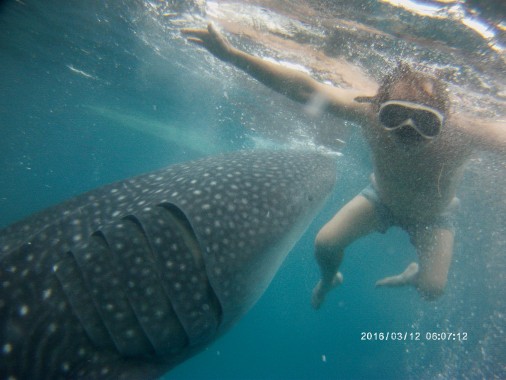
x: 396, y: 115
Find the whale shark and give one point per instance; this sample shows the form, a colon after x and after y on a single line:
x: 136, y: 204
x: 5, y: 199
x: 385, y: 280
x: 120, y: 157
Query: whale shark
x: 128, y: 280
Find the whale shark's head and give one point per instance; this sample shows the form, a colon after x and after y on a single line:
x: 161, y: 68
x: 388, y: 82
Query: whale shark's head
x: 154, y: 267
x: 247, y: 212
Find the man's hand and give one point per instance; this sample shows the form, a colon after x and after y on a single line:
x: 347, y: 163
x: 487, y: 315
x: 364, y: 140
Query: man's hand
x: 212, y: 40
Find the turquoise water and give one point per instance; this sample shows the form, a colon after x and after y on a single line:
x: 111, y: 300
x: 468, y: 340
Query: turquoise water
x: 98, y: 91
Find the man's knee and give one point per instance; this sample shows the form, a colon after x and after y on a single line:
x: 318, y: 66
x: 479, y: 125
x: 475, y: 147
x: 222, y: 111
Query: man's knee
x: 326, y: 245
x: 323, y: 239
x: 329, y: 238
x: 431, y: 291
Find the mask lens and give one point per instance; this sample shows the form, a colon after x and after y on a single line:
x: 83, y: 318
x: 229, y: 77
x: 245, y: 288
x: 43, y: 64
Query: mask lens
x: 427, y: 122
x: 393, y: 115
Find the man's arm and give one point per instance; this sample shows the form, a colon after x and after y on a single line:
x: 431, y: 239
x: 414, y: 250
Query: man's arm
x: 486, y: 134
x: 292, y: 83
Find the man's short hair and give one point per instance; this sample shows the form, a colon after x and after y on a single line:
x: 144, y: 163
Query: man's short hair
x: 415, y: 86
x: 405, y: 83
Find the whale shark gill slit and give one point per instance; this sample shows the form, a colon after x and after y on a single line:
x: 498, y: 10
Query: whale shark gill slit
x: 130, y: 254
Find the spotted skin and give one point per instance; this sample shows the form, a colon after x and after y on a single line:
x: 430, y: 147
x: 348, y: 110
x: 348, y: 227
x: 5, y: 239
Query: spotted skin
x: 128, y: 280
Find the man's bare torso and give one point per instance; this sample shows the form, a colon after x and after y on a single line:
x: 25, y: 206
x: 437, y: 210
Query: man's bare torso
x: 416, y: 181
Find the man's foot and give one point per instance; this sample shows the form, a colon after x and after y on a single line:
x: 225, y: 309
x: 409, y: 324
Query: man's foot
x: 320, y: 291
x: 405, y: 278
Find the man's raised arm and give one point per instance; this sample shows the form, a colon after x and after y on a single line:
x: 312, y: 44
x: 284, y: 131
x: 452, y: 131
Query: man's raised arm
x: 292, y: 83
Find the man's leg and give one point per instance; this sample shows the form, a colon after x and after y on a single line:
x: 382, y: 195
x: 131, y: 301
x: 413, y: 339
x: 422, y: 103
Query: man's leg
x: 435, y: 248
x: 356, y: 219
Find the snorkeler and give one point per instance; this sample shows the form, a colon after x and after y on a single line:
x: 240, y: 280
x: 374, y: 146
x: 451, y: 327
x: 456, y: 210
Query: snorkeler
x: 418, y: 150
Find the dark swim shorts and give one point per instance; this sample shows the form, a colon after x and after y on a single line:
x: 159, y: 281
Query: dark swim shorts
x: 445, y: 220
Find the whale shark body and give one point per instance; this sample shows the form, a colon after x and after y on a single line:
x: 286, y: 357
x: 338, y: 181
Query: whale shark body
x: 128, y: 280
